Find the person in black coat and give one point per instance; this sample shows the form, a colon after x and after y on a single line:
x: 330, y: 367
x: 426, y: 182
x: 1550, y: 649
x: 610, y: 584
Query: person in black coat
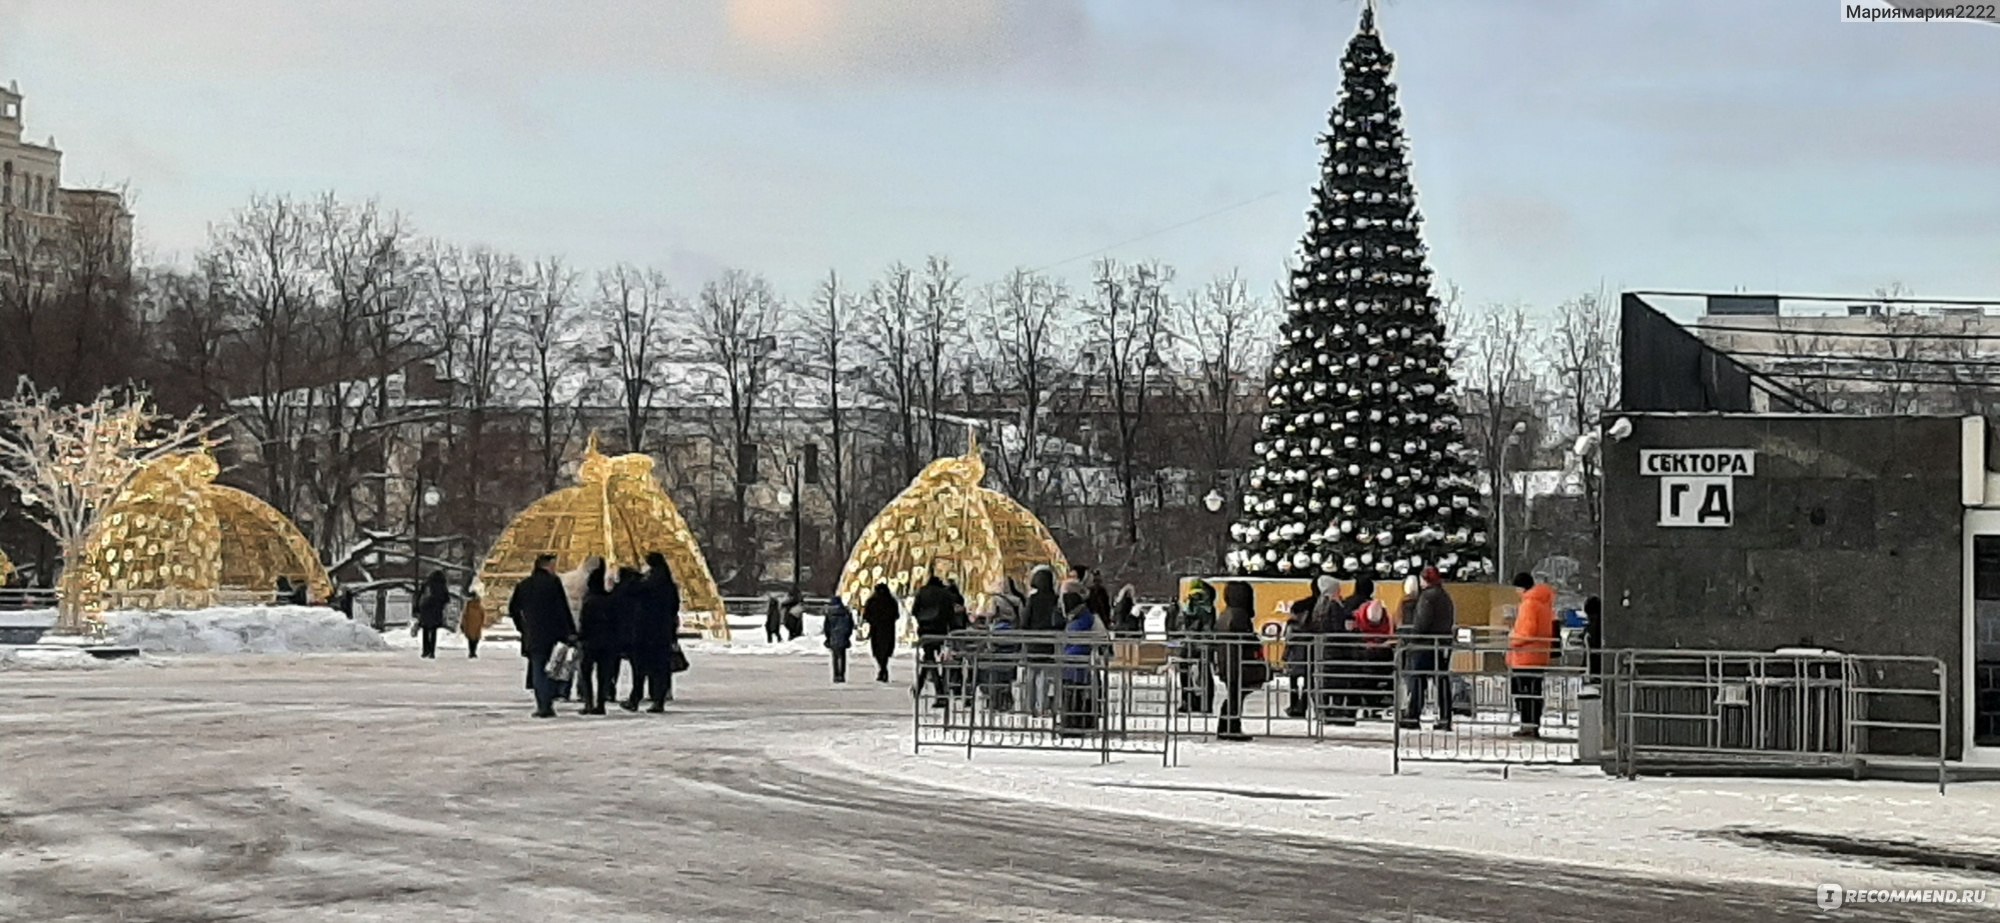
x: 1042, y: 614
x: 882, y: 614
x: 540, y: 611
x: 1097, y: 597
x: 431, y: 603
x: 655, y: 610
x: 794, y: 615
x: 1239, y: 657
x: 774, y: 619
x: 598, y: 634
x: 933, y: 610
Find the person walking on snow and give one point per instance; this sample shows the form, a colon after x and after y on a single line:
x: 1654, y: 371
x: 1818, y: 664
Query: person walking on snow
x: 655, y: 610
x: 774, y: 619
x: 1239, y: 657
x: 598, y: 645
x: 1041, y: 616
x: 882, y: 614
x: 540, y: 611
x: 431, y: 603
x: 838, y: 628
x: 933, y: 610
x: 472, y: 624
x: 1434, y: 623
x: 1529, y: 646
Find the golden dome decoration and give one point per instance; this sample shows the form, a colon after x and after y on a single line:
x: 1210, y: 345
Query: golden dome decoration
x: 173, y: 539
x: 617, y: 511
x: 945, y: 522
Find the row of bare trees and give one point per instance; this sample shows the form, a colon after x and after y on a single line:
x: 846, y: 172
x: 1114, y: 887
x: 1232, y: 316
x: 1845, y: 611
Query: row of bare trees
x: 367, y: 365
x: 1535, y: 384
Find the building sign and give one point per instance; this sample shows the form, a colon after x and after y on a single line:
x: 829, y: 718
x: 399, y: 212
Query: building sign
x: 1707, y: 462
x: 1697, y: 486
x: 1697, y: 502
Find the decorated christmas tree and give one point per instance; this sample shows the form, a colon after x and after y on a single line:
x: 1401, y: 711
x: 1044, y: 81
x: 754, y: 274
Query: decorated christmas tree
x: 1362, y: 469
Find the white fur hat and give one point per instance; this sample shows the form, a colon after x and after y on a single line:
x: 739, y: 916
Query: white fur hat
x: 1411, y: 586
x: 1327, y: 583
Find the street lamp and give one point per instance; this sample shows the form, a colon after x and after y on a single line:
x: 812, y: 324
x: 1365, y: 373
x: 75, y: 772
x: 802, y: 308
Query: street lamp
x: 1500, y: 500
x: 789, y: 495
x: 1214, y: 502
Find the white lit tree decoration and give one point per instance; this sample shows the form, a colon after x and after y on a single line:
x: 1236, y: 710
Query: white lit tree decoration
x: 1361, y: 466
x: 69, y: 462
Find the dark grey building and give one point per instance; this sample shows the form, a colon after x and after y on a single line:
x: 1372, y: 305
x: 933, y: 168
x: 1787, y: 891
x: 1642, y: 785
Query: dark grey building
x: 1854, y: 534
x: 1728, y: 529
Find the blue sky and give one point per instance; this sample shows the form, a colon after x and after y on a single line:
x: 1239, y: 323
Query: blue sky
x: 1558, y: 145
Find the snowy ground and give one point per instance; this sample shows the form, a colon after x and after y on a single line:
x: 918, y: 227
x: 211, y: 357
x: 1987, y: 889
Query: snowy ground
x: 1682, y: 827
x: 380, y: 786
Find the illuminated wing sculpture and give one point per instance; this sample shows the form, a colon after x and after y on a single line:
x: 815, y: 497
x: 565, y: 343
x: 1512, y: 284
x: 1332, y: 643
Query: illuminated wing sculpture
x: 944, y: 522
x: 174, y: 539
x: 617, y: 511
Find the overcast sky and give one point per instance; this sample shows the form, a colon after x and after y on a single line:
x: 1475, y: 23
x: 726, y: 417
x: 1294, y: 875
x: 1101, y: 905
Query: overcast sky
x: 1558, y: 145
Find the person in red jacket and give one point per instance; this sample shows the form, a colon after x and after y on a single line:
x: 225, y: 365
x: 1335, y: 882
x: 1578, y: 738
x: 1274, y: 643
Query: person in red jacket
x: 1529, y: 647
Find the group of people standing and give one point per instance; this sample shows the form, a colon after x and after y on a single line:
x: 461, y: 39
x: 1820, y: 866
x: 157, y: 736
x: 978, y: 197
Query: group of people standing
x: 624, y: 617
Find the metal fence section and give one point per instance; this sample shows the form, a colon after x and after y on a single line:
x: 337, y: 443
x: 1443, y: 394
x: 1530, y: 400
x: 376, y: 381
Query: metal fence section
x: 1458, y: 700
x: 1801, y: 711
x: 17, y: 599
x: 1015, y: 690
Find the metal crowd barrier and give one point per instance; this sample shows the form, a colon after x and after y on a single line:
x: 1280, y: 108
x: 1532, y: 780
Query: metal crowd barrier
x: 1801, y: 711
x: 1498, y: 713
x: 19, y: 599
x: 1017, y: 690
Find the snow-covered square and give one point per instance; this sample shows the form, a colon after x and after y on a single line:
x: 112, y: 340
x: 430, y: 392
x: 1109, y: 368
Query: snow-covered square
x: 305, y: 787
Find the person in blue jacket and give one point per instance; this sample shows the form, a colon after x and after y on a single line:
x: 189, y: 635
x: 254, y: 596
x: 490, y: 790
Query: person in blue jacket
x: 1079, y: 701
x: 838, y: 628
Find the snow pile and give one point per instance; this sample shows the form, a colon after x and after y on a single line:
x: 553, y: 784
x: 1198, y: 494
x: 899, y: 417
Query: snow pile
x: 751, y: 643
x: 1570, y: 814
x: 38, y: 659
x: 241, y: 630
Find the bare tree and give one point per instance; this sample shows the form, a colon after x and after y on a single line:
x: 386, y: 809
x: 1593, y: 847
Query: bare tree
x: 475, y: 299
x: 69, y: 463
x: 635, y: 308
x: 1028, y: 350
x: 830, y: 341
x: 264, y: 258
x: 1499, y: 345
x: 1126, y: 324
x: 1221, y: 328
x: 940, y: 333
x: 736, y: 328
x: 549, y: 361
x: 894, y: 352
x: 1581, y: 352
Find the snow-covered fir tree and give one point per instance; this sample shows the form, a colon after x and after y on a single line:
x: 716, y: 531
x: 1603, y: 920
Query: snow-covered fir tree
x: 1362, y: 468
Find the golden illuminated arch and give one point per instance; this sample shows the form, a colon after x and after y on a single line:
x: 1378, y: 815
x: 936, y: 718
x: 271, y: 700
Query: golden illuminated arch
x: 173, y: 539
x: 945, y: 522
x: 617, y: 511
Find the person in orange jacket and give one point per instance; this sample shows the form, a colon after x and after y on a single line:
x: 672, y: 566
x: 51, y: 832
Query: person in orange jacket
x: 472, y: 623
x: 1529, y: 647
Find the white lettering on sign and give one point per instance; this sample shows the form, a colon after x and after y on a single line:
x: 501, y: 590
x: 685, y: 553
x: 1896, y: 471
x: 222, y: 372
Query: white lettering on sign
x: 1705, y: 462
x: 1697, y: 502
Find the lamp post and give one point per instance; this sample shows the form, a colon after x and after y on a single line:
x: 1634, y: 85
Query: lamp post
x: 789, y: 495
x: 1214, y: 502
x: 1513, y: 439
